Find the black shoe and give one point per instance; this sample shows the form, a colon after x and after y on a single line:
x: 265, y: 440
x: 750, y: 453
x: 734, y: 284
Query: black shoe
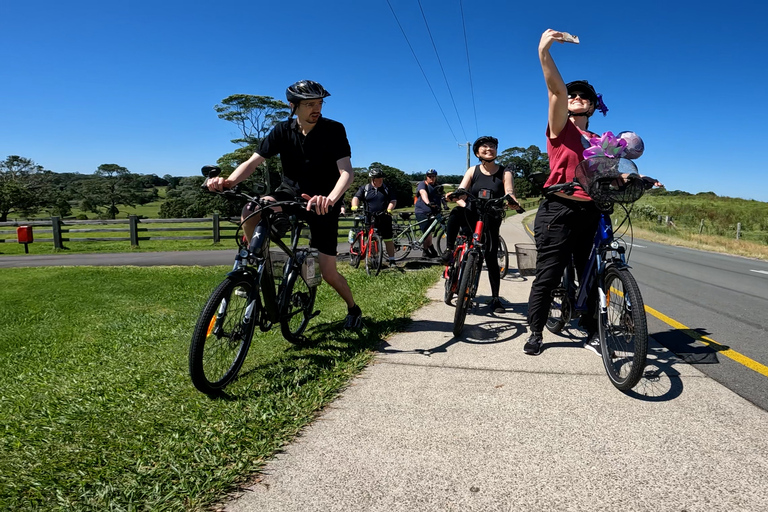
x: 497, y: 306
x: 593, y: 343
x: 533, y: 345
x: 447, y: 256
x: 354, y: 319
x: 430, y: 252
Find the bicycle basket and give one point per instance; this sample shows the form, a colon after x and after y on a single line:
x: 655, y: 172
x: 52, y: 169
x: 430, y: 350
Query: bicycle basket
x: 526, y: 259
x: 610, y: 180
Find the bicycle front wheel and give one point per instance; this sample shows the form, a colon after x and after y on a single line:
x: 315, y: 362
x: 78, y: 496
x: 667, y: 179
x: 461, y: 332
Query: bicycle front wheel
x: 222, y: 335
x: 465, y: 292
x: 296, y: 307
x: 374, y: 255
x: 403, y: 242
x: 503, y: 256
x: 623, y: 329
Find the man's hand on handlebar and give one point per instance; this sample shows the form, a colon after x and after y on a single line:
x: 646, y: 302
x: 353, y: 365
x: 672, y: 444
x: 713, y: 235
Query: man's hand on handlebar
x: 320, y: 204
x: 218, y: 184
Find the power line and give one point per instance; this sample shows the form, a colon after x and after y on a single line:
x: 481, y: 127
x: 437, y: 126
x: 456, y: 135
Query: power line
x: 441, y: 68
x: 469, y: 69
x: 423, y: 73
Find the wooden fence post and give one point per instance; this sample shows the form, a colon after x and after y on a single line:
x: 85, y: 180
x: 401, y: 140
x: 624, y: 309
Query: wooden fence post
x: 56, y: 230
x: 738, y: 230
x: 216, y: 234
x: 133, y: 221
x: 701, y: 226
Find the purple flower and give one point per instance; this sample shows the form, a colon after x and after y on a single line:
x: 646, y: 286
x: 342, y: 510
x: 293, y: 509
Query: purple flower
x: 606, y: 145
x: 601, y: 104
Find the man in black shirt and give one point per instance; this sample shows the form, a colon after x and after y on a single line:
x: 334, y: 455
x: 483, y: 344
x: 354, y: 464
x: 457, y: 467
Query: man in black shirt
x: 379, y: 203
x: 317, y: 165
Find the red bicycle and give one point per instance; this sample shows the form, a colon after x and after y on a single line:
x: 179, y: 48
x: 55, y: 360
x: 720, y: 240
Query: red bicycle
x: 367, y: 244
x: 462, y: 274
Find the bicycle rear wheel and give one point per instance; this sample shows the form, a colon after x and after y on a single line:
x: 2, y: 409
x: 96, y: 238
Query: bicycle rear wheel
x: 559, y: 311
x: 503, y: 257
x: 373, y: 255
x: 403, y: 242
x: 355, y: 250
x: 465, y: 291
x: 296, y: 307
x: 623, y: 329
x: 222, y: 335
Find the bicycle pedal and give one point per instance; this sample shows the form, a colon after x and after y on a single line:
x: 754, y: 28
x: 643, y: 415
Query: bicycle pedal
x: 313, y: 315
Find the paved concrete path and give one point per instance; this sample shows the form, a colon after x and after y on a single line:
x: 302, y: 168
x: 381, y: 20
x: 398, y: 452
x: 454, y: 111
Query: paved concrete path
x: 439, y: 423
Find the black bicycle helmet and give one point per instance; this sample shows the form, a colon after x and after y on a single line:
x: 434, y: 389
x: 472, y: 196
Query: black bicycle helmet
x: 485, y: 139
x: 375, y: 172
x: 305, y: 90
x: 583, y: 86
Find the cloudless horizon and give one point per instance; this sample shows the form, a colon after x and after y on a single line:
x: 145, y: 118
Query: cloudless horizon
x: 135, y: 83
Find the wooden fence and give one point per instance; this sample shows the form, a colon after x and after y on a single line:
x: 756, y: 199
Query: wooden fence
x: 135, y: 230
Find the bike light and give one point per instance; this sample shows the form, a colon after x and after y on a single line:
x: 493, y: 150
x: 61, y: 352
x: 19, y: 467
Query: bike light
x: 615, y: 245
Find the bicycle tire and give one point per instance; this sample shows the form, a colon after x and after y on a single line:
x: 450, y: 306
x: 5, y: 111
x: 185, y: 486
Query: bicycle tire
x: 403, y: 243
x: 355, y: 250
x: 221, y: 338
x: 374, y: 255
x: 439, y: 240
x: 560, y: 311
x: 623, y: 329
x: 450, y: 282
x: 296, y: 307
x: 503, y: 256
x: 464, y: 292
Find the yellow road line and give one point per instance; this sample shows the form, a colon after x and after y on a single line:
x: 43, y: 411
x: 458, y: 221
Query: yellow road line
x: 721, y: 349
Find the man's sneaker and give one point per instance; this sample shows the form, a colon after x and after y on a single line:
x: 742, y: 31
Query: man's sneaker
x: 354, y: 319
x: 533, y: 345
x: 497, y: 306
x: 593, y: 343
x: 447, y: 256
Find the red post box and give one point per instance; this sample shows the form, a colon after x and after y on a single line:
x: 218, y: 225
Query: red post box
x: 24, y: 234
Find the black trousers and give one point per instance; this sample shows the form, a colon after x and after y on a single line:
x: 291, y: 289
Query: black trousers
x: 564, y: 229
x: 465, y: 219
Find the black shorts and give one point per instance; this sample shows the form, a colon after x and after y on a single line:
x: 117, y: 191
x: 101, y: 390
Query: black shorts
x: 383, y: 224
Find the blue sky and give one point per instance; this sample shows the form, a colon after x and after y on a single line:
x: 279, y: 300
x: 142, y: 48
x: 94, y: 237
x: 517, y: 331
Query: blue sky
x: 134, y: 83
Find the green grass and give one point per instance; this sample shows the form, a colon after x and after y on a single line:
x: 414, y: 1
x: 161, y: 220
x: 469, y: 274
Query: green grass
x: 96, y: 407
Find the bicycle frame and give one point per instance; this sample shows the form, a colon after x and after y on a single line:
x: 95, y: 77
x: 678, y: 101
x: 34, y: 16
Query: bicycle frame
x: 411, y: 228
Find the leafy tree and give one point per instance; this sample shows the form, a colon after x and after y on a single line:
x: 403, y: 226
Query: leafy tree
x: 254, y: 117
x: 113, y: 185
x: 187, y: 200
x: 524, y: 162
x: 21, y: 187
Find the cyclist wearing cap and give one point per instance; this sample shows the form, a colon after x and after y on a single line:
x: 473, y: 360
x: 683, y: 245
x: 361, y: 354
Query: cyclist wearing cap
x: 499, y: 180
x: 380, y: 202
x: 565, y: 225
x: 317, y: 166
x: 426, y: 206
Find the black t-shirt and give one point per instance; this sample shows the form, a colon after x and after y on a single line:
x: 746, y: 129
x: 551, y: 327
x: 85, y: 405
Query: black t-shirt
x: 494, y: 183
x: 432, y: 194
x: 309, y: 162
x: 377, y: 199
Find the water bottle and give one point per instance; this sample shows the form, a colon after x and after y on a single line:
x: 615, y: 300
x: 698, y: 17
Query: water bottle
x: 351, y: 237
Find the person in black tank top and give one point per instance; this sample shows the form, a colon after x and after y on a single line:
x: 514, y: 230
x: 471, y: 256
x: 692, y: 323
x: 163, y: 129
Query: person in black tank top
x: 500, y: 181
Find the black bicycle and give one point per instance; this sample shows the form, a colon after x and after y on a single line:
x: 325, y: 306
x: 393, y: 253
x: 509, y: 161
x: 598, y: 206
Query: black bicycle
x: 622, y: 325
x: 261, y: 290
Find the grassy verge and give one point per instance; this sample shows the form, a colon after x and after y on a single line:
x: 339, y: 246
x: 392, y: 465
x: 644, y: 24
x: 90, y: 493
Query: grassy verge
x: 97, y: 410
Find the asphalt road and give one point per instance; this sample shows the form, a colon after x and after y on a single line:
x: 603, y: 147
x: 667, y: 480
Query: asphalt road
x: 721, y: 297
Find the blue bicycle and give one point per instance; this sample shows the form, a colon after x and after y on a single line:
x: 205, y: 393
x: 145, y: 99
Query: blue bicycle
x: 622, y: 324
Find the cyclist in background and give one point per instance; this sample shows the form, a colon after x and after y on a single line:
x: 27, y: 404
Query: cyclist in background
x: 565, y: 225
x: 317, y: 166
x: 427, y: 206
x: 499, y: 180
x: 380, y: 202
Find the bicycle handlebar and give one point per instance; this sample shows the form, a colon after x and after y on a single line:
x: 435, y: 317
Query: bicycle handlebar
x: 489, y: 203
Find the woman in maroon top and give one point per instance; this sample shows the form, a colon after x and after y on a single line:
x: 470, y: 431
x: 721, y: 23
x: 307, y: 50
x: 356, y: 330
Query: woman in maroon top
x: 565, y: 225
